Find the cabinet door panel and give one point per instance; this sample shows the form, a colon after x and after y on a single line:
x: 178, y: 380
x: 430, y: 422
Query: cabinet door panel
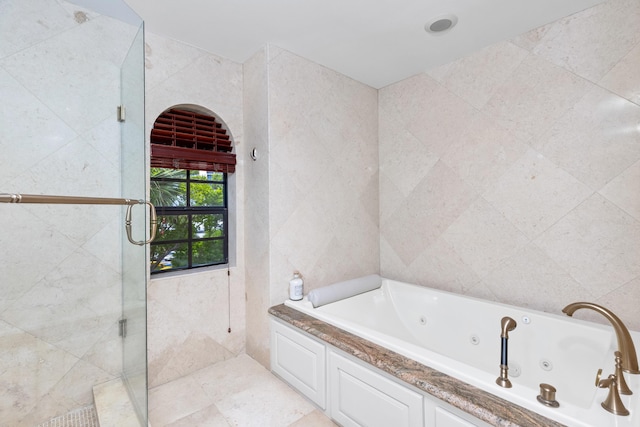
x: 300, y: 361
x: 361, y: 397
x: 445, y: 418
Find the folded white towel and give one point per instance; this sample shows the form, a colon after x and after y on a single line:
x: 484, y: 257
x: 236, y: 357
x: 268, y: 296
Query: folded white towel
x: 342, y: 290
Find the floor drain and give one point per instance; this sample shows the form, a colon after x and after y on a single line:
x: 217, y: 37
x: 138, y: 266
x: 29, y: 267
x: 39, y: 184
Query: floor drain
x: 82, y: 417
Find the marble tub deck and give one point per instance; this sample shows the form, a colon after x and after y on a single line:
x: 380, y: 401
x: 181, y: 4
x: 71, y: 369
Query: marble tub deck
x: 479, y: 403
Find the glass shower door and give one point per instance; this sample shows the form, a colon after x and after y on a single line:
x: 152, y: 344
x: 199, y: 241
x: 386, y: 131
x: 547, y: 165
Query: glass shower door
x: 134, y: 257
x: 68, y: 271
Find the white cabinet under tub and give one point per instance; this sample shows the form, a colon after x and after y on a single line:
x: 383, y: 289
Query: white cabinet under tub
x: 352, y: 392
x: 362, y: 397
x: 300, y: 361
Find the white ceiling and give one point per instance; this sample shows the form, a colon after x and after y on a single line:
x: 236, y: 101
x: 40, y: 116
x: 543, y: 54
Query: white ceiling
x: 377, y: 42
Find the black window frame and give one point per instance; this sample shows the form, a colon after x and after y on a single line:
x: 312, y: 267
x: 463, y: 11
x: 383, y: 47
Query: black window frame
x: 189, y: 211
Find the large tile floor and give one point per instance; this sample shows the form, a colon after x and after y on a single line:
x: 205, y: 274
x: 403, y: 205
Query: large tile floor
x: 237, y: 392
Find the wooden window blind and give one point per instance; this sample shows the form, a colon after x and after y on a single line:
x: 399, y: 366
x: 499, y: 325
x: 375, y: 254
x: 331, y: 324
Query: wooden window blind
x: 182, y: 139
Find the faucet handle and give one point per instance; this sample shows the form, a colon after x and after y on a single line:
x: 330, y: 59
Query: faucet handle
x: 623, y: 388
x: 612, y: 403
x: 547, y: 395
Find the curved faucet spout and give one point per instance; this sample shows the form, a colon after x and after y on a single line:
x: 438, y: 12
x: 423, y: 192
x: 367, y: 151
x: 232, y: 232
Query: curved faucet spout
x: 625, y: 343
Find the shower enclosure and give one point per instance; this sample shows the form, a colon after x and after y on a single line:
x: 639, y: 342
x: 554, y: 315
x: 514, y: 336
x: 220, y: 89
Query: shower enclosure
x: 72, y: 286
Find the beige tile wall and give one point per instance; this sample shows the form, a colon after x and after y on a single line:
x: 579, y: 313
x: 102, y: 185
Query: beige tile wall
x: 513, y: 174
x: 189, y: 314
x: 257, y: 255
x: 323, y: 172
x: 312, y: 197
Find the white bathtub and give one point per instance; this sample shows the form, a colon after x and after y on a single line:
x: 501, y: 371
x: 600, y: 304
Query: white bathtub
x: 460, y: 336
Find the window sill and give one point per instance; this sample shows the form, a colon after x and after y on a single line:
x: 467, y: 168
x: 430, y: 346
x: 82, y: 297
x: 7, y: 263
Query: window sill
x: 191, y: 272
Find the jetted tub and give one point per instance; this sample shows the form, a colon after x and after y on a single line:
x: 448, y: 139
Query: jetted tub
x: 460, y: 336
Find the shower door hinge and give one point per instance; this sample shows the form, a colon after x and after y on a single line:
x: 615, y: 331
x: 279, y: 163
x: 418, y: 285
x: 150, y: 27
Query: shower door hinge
x: 121, y: 113
x: 122, y: 326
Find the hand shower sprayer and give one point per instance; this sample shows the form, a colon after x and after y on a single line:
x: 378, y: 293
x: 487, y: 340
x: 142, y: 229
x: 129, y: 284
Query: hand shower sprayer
x: 507, y: 324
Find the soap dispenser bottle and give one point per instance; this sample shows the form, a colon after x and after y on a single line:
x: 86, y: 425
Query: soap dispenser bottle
x: 296, y: 287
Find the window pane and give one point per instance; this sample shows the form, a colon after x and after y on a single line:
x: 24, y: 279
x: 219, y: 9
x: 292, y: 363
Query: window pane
x: 172, y: 227
x: 168, y: 193
x: 208, y: 252
x: 207, y: 194
x: 168, y: 257
x: 207, y: 176
x: 191, y: 229
x: 168, y: 173
x: 207, y: 225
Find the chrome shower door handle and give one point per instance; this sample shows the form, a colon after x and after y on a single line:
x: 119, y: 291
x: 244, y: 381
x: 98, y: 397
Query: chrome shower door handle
x: 78, y: 200
x: 153, y: 222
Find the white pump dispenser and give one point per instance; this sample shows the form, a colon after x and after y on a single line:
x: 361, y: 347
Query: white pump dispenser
x: 296, y: 287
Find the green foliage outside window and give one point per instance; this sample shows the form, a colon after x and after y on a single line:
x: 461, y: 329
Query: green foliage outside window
x: 192, y: 215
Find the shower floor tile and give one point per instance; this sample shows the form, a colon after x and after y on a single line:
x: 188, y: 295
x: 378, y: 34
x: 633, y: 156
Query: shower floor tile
x: 236, y: 392
x: 83, y: 417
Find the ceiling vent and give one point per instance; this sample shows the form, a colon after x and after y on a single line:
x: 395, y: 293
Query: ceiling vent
x: 441, y: 24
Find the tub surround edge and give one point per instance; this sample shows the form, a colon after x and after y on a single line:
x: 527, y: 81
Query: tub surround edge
x: 479, y: 403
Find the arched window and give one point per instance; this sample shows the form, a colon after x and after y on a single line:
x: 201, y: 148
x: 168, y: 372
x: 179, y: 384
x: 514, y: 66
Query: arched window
x: 191, y: 156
